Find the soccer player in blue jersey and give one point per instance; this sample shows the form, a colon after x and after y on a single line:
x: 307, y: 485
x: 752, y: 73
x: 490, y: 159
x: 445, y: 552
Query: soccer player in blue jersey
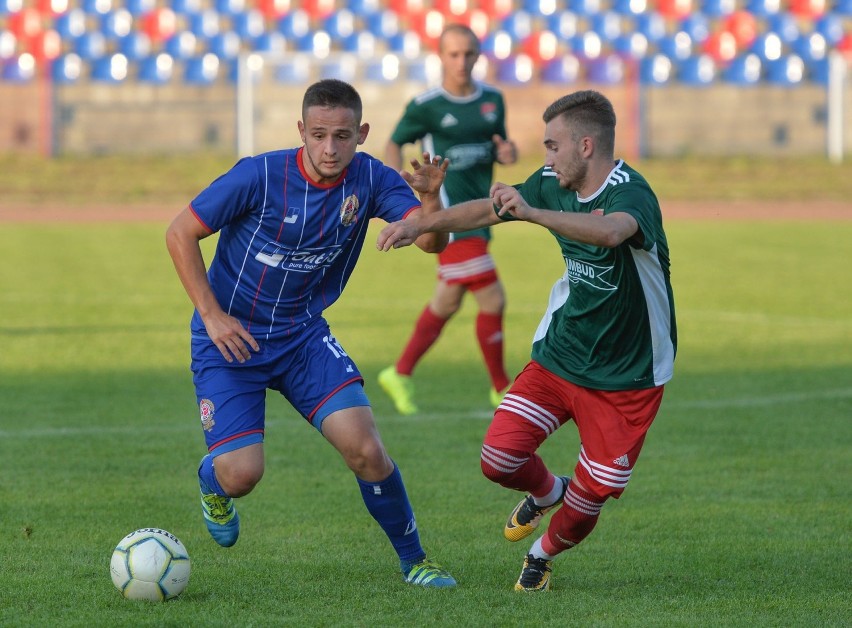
x: 606, y: 344
x: 291, y: 226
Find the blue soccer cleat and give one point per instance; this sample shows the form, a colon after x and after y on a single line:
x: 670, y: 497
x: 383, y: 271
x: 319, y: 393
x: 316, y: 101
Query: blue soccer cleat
x: 427, y: 574
x: 220, y: 515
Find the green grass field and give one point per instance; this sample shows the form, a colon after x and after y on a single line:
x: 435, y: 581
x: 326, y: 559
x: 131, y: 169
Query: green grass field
x: 738, y: 513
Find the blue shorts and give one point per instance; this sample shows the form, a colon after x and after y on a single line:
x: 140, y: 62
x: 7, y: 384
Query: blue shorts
x: 311, y: 370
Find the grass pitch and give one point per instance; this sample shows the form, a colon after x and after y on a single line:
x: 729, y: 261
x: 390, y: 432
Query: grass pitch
x: 738, y: 513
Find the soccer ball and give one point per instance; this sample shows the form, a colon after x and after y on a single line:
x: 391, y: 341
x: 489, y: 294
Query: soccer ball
x: 150, y: 564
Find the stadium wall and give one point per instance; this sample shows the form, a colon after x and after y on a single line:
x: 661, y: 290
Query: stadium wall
x: 671, y: 120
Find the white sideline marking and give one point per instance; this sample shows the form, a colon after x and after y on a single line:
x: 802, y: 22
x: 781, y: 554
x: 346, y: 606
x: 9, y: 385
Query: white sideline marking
x: 295, y: 421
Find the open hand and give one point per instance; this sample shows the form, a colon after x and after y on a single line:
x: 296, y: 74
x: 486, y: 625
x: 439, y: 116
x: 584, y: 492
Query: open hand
x: 426, y: 177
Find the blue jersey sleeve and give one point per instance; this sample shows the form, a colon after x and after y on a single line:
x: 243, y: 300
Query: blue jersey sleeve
x: 394, y: 197
x: 229, y: 196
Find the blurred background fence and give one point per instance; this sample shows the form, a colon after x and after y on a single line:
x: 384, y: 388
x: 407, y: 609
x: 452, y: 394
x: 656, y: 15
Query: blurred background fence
x: 696, y: 77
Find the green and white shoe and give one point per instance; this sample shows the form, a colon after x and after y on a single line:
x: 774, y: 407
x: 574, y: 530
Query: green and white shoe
x: 425, y: 573
x: 220, y: 515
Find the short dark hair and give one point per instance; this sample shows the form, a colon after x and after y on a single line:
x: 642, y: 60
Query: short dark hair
x: 332, y: 93
x: 462, y: 29
x: 590, y: 113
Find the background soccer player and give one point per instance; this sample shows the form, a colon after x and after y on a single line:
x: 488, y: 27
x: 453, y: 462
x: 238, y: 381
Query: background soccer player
x: 464, y: 121
x: 292, y: 224
x: 606, y: 344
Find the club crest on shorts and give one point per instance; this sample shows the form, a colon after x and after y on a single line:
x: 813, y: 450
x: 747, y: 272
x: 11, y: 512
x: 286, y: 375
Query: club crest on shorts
x: 207, y: 410
x: 349, y: 210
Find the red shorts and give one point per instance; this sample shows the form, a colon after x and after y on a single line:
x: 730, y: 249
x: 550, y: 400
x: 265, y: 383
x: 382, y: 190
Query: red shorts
x: 612, y: 424
x: 467, y: 262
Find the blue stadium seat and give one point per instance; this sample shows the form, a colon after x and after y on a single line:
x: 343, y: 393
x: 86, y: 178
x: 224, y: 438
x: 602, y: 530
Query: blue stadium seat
x: 203, y: 70
x: 70, y: 25
x: 230, y: 7
x: 744, y: 70
x: 204, y: 25
x: 187, y: 7
x: 762, y: 9
x: 249, y: 24
x: 810, y: 47
x: 317, y: 43
x: 518, y: 24
x: 225, y: 45
x: 516, y: 70
x: 362, y: 43
x: 342, y: 67
x: 697, y: 70
x: 831, y: 27
x: 818, y: 71
x: 339, y: 25
x: 785, y: 25
x: 134, y: 46
x: 788, y: 71
x: 386, y: 69
x: 66, y: 69
x: 157, y: 69
x: 718, y: 8
x: 90, y: 45
x: 20, y: 69
x: 406, y: 44
x: 498, y: 44
x: 110, y: 69
x: 606, y: 70
x: 138, y: 8
x: 564, y: 24
x: 656, y: 69
x: 182, y: 45
x: 768, y: 46
x: 296, y: 70
x: 634, y: 45
x: 652, y: 25
x: 607, y: 24
x: 363, y: 8
x: 382, y: 24
x: 587, y: 45
x: 539, y: 8
x: 563, y: 70
x: 842, y: 7
x: 677, y: 46
x: 95, y: 7
x: 697, y: 26
x: 584, y: 8
x: 116, y: 24
x: 629, y: 8
x: 295, y: 24
x: 270, y: 41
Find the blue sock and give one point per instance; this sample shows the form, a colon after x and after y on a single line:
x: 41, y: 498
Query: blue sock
x: 207, y: 474
x: 388, y: 503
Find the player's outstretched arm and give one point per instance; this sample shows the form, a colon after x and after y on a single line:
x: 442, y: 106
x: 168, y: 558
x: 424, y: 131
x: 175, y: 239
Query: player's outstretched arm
x: 461, y: 217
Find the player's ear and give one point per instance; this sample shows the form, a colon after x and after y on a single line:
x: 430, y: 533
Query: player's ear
x: 301, y: 126
x: 363, y: 130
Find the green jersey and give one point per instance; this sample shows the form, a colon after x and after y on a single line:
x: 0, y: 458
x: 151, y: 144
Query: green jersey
x: 459, y: 128
x: 610, y: 319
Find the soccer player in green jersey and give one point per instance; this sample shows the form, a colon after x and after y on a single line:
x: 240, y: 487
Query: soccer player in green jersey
x: 606, y: 344
x: 464, y: 121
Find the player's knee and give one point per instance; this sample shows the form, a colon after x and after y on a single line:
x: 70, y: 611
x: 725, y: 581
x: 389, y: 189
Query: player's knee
x: 499, y: 465
x: 238, y: 480
x: 368, y: 460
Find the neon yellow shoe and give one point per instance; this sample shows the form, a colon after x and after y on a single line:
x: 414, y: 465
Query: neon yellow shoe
x: 220, y: 515
x: 535, y: 575
x: 496, y: 397
x: 400, y: 389
x: 527, y: 515
x: 427, y: 574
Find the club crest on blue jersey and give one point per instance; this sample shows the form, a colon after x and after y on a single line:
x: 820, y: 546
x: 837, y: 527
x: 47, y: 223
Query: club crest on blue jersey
x: 207, y: 410
x: 349, y: 210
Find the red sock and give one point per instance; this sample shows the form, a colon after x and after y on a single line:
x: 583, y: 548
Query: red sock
x: 573, y: 522
x: 489, y: 332
x: 426, y: 332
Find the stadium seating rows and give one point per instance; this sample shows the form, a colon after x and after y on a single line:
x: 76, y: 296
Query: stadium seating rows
x: 697, y: 42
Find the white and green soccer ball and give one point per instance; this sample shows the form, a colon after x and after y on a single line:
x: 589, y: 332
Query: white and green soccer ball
x: 150, y: 564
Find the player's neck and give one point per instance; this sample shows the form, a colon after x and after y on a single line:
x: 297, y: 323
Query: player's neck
x: 459, y: 90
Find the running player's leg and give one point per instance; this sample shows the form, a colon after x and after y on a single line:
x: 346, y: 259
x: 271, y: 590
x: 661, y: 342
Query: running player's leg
x: 612, y: 427
x: 231, y: 404
x: 491, y: 300
x: 530, y: 412
x: 328, y: 391
x: 396, y: 380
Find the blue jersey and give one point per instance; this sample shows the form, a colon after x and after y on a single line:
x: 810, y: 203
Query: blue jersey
x: 288, y: 245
